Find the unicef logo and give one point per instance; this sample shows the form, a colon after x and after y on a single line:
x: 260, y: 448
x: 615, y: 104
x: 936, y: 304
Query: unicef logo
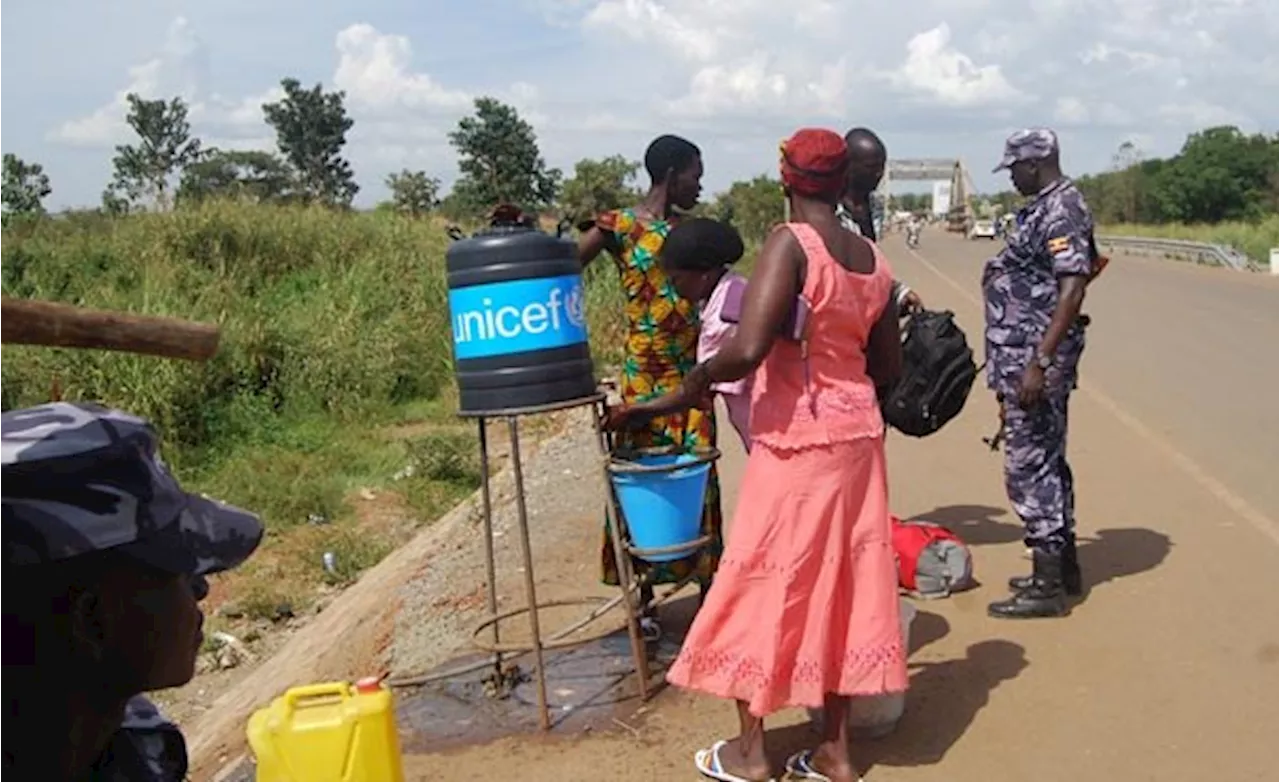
x: 575, y: 306
x: 518, y: 316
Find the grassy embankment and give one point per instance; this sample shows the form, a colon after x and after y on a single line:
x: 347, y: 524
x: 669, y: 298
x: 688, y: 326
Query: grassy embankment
x: 330, y: 406
x: 1253, y: 239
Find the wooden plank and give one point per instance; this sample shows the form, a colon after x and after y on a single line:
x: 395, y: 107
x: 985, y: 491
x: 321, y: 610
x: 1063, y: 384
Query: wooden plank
x: 53, y: 324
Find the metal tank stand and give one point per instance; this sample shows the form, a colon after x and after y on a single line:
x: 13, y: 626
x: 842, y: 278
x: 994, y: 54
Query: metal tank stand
x: 486, y: 635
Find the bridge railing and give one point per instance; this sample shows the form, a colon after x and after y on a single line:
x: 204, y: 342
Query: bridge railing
x: 1200, y: 252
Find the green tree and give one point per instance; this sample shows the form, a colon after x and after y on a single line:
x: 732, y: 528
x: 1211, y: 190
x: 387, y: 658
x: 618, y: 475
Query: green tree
x: 1128, y: 179
x: 910, y: 202
x: 598, y: 186
x: 753, y: 207
x: 252, y: 175
x: 24, y: 189
x: 413, y: 192
x: 1009, y: 201
x: 311, y: 129
x: 500, y: 161
x: 1220, y: 174
x: 144, y: 171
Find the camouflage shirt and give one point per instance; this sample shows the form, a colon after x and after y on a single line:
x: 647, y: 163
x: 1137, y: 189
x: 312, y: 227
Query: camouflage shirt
x: 146, y: 748
x: 1052, y: 238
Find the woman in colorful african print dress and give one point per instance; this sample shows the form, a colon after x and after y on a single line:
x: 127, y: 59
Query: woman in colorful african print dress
x: 662, y: 336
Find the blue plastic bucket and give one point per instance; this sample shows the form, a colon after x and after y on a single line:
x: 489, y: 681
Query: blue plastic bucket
x: 664, y: 508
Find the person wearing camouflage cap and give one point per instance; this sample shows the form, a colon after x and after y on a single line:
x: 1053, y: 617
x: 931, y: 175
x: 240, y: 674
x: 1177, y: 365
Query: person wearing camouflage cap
x: 1032, y: 291
x: 105, y: 557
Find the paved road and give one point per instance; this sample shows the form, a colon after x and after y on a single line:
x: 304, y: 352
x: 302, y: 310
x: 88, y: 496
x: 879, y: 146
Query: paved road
x: 1167, y: 671
x: 1188, y: 352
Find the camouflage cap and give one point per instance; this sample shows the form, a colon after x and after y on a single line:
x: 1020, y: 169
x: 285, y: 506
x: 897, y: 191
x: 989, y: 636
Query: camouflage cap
x: 1028, y: 144
x: 80, y: 478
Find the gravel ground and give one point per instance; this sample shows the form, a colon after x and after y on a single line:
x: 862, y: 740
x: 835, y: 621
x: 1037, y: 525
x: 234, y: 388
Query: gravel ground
x: 565, y: 498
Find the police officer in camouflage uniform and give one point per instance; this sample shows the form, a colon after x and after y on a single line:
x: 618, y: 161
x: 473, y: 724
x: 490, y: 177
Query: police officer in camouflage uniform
x: 104, y: 562
x: 1033, y: 290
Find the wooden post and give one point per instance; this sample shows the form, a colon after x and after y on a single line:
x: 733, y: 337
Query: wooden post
x: 32, y: 322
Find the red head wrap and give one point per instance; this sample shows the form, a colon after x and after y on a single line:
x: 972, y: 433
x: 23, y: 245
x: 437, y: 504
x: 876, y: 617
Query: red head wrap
x: 814, y: 162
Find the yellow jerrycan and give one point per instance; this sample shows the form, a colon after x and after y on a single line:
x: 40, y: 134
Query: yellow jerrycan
x: 331, y: 732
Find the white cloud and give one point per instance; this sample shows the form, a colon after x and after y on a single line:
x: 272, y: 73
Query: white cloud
x: 936, y: 69
x: 936, y: 78
x: 374, y: 70
x: 177, y: 70
x: 1200, y: 114
x: 399, y: 107
x: 1074, y: 111
x: 655, y: 23
x: 1071, y: 111
x: 744, y: 85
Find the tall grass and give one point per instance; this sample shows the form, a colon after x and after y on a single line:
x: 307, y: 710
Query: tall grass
x: 1253, y: 239
x: 333, y: 380
x: 333, y: 326
x: 321, y: 313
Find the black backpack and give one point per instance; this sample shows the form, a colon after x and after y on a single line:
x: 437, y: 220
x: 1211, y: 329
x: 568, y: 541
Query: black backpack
x: 937, y: 373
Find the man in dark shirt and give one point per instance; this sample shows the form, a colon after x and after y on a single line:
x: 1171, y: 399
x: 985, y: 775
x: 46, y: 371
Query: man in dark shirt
x: 867, y: 159
x: 105, y: 557
x: 1032, y: 292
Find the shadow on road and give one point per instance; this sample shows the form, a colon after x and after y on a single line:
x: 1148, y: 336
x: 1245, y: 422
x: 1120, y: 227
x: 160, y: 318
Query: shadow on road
x: 927, y: 628
x: 977, y: 525
x: 1115, y: 553
x: 943, y: 699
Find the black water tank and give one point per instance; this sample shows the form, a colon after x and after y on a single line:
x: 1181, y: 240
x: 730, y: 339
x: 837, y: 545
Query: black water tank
x: 518, y: 314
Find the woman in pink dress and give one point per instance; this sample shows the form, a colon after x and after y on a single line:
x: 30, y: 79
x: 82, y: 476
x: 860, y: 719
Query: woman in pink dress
x: 804, y: 608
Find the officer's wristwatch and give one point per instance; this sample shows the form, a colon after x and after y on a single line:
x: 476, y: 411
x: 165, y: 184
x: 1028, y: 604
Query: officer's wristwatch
x: 1043, y: 361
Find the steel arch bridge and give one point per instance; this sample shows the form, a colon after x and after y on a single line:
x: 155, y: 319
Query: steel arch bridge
x: 951, y: 170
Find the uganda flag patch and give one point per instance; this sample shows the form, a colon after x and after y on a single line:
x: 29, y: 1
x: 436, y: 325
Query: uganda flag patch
x: 1059, y: 243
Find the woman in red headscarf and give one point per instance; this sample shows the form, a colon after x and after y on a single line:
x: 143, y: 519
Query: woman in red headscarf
x: 804, y: 608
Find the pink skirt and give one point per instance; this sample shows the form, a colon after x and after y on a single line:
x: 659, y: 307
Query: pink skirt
x: 805, y: 601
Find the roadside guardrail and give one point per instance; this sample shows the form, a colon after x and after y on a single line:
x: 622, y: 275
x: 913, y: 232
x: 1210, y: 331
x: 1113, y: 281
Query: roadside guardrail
x: 1199, y: 252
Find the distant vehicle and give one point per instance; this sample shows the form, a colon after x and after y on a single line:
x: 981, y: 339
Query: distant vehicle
x: 983, y: 229
x: 913, y: 234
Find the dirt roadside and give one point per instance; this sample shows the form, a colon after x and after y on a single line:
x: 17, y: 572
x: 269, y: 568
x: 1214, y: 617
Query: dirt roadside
x: 349, y: 636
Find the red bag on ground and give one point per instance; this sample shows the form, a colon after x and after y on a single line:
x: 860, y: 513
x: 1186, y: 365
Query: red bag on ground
x: 932, y: 560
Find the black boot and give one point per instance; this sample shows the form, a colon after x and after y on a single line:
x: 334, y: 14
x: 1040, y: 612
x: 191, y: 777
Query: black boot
x: 1043, y: 597
x: 1072, y: 581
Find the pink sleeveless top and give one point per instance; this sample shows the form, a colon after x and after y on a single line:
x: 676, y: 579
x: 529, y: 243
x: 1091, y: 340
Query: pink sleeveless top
x: 818, y: 392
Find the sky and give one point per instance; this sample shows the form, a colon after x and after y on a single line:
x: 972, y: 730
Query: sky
x: 935, y: 78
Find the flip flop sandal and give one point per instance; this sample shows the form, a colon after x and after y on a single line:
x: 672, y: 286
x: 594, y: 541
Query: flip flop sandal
x: 707, y: 761
x: 800, y: 766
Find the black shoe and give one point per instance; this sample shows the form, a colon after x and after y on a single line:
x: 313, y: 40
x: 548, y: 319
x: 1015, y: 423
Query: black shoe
x: 1072, y: 581
x: 1042, y: 597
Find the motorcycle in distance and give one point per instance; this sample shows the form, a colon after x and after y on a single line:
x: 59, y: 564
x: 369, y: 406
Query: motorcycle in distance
x: 913, y: 234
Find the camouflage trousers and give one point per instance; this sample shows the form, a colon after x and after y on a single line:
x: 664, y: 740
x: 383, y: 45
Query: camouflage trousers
x: 1037, y: 477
